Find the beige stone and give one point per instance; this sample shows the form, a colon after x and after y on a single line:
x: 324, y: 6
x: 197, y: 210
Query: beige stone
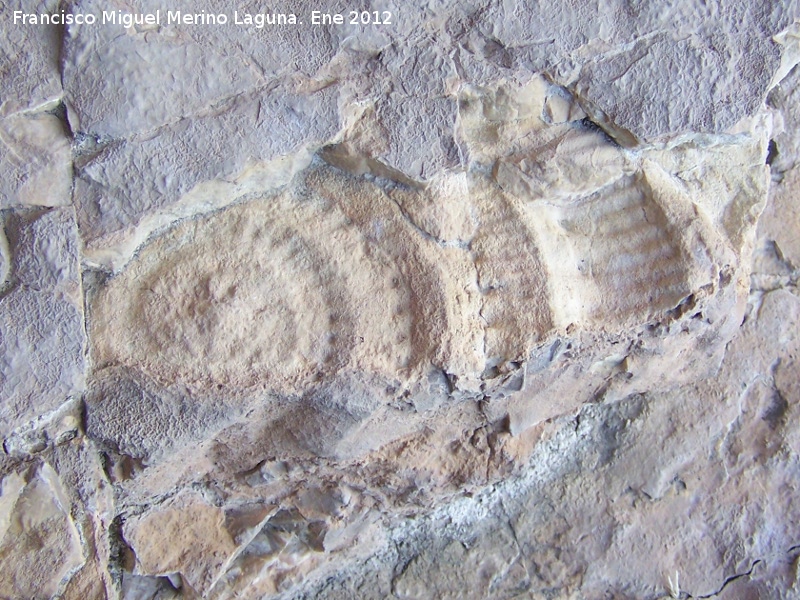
x: 495, y: 300
x: 39, y: 544
x: 187, y: 537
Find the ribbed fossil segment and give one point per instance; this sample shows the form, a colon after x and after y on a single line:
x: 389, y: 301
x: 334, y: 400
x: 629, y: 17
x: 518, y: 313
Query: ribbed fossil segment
x: 275, y: 309
x: 345, y: 274
x: 625, y: 261
x: 516, y: 309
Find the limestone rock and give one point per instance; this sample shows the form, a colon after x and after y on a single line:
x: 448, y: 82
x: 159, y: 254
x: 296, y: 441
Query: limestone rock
x: 5, y: 257
x: 30, y: 76
x: 47, y: 430
x: 786, y: 143
x: 186, y: 536
x: 172, y: 76
x: 489, y: 300
x: 622, y: 90
x: 42, y: 346
x: 35, y: 162
x: 151, y: 76
x: 80, y: 468
x: 781, y: 219
x: 39, y: 544
x: 131, y: 188
x: 595, y: 513
x: 779, y: 223
x: 606, y: 57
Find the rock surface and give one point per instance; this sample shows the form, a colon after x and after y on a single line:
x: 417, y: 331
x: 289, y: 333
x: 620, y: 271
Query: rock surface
x: 495, y: 300
x: 42, y: 360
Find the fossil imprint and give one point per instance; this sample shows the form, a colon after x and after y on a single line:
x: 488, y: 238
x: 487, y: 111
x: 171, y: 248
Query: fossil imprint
x: 351, y: 274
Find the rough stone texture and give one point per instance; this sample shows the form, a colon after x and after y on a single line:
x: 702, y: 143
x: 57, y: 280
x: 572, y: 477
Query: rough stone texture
x: 30, y: 76
x: 496, y: 301
x: 39, y: 541
x: 41, y: 309
x: 186, y: 536
x: 35, y: 161
x: 35, y: 156
x: 131, y: 188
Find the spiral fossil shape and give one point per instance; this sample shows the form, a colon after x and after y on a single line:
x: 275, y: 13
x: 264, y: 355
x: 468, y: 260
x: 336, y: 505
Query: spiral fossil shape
x: 282, y: 292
